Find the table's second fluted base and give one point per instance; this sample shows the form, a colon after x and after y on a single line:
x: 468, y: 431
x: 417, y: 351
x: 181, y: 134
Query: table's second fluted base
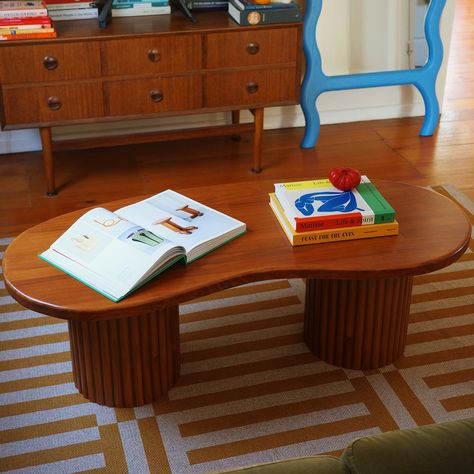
x: 357, y: 324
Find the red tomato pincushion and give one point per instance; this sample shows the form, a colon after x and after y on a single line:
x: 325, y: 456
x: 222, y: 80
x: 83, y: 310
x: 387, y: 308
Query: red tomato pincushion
x: 344, y: 179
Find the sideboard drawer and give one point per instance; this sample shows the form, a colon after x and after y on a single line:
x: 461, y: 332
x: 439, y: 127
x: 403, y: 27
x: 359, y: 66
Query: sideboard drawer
x: 152, y: 55
x: 57, y: 103
x: 50, y: 62
x: 252, y: 48
x: 251, y: 87
x: 148, y: 96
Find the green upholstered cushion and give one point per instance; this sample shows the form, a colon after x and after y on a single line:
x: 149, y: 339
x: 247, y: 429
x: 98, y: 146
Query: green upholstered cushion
x: 306, y: 465
x: 443, y: 448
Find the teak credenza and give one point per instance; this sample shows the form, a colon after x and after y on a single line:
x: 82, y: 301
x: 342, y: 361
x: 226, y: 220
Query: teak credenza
x: 142, y: 67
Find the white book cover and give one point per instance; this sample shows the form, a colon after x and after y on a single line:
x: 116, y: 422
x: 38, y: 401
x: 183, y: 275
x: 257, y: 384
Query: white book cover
x: 79, y: 14
x: 16, y: 5
x: 116, y: 252
x: 145, y: 11
x: 305, y: 199
x: 22, y: 9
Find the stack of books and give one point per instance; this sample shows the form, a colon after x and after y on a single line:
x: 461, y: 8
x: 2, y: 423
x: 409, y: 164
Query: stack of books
x: 123, y: 8
x: 251, y: 12
x: 60, y: 10
x: 21, y: 20
x: 312, y: 212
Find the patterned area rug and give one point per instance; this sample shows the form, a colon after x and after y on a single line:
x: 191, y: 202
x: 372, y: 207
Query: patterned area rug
x: 250, y: 391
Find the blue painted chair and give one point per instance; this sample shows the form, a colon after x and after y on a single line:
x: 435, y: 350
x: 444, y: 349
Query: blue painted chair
x: 315, y: 82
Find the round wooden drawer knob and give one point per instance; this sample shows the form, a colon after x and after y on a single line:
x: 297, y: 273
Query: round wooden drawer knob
x: 154, y: 56
x: 252, y: 87
x: 54, y: 103
x: 156, y: 96
x: 253, y: 48
x: 50, y: 63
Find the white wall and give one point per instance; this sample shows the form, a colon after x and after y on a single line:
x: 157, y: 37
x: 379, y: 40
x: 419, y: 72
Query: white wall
x: 333, y: 34
x: 335, y: 42
x: 379, y: 32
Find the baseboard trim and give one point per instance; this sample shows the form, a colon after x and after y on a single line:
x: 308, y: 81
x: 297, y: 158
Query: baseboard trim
x: 19, y: 141
x: 275, y: 118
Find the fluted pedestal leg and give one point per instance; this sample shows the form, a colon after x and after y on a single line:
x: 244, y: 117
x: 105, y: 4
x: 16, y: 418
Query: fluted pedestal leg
x: 126, y: 362
x: 357, y: 324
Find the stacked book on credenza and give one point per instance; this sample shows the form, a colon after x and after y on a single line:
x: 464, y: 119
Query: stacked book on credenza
x: 255, y: 12
x: 61, y: 10
x: 124, y: 8
x: 312, y: 212
x: 20, y: 20
x: 207, y: 5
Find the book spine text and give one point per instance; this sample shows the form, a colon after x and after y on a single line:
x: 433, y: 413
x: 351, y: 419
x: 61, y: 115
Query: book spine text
x: 23, y: 13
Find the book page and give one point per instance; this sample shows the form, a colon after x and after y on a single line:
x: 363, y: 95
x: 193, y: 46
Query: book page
x: 182, y: 221
x: 114, y: 248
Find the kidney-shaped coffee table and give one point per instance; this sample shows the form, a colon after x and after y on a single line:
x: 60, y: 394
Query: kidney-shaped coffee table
x: 357, y: 298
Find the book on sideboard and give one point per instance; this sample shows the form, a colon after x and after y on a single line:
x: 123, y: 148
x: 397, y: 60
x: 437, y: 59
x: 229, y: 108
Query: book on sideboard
x: 317, y: 204
x: 27, y: 35
x: 62, y: 10
x: 138, y: 4
x: 116, y: 252
x: 74, y: 14
x: 254, y: 5
x: 69, y: 4
x: 330, y: 235
x: 26, y: 22
x: 207, y: 5
x: 27, y: 31
x: 21, y: 9
x: 25, y: 26
x: 142, y: 6
x: 122, y: 9
x: 262, y: 16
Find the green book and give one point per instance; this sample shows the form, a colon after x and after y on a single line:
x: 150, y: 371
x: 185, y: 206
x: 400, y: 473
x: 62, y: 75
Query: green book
x: 141, y: 5
x: 124, y: 3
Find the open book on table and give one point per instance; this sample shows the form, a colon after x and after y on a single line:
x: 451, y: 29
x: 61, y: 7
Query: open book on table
x: 116, y: 252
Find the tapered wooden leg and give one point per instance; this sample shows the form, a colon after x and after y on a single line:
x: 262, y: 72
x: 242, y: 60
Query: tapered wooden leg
x: 236, y: 117
x: 126, y: 362
x: 48, y: 160
x: 236, y: 121
x: 357, y: 324
x: 257, y: 140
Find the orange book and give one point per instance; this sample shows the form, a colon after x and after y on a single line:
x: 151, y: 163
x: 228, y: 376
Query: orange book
x: 6, y: 37
x: 24, y: 31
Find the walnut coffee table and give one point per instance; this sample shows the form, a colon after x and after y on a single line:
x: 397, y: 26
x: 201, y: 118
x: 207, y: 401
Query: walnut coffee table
x: 357, y: 299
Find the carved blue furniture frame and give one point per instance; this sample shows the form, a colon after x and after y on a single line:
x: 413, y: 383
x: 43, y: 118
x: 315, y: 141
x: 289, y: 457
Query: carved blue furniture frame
x: 316, y: 82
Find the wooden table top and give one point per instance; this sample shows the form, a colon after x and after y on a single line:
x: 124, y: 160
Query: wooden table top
x: 434, y: 232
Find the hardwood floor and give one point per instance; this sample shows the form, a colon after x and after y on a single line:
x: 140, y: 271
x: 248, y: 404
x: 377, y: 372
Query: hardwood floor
x: 386, y: 149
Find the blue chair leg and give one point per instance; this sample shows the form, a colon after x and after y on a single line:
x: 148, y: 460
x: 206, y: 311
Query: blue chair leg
x: 430, y: 122
x: 313, y: 123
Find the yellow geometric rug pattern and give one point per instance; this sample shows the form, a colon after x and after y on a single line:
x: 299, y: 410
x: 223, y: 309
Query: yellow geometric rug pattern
x: 249, y: 390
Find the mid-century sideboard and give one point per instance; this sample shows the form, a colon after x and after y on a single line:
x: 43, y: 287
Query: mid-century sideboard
x: 150, y: 66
